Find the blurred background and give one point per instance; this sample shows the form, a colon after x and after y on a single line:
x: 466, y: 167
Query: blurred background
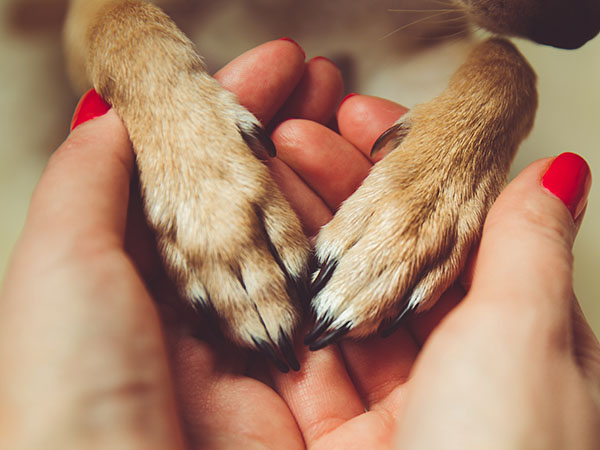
x: 402, y: 55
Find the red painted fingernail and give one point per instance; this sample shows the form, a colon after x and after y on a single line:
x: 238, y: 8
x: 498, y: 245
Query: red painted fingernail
x: 89, y: 107
x: 569, y: 178
x: 346, y: 98
x: 295, y: 43
x: 322, y: 58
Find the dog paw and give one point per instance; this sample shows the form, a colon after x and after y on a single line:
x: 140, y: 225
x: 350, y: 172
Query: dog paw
x: 395, y: 246
x: 229, y: 240
x: 403, y: 237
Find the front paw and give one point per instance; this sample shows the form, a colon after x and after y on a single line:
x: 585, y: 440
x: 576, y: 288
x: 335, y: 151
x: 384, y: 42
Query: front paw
x: 244, y: 262
x: 228, y: 238
x: 402, y: 238
x: 393, y: 247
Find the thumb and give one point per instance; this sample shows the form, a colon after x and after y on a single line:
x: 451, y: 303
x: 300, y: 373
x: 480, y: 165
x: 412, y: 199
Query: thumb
x: 525, y: 256
x: 85, y: 186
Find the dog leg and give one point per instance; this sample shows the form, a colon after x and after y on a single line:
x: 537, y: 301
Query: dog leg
x: 402, y: 238
x: 229, y: 239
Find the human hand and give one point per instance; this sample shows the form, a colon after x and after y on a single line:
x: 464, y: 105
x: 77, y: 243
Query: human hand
x: 87, y: 360
x: 504, y: 360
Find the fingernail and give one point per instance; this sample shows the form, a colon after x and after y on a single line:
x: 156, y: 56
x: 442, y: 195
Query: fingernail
x: 89, y: 107
x: 295, y: 43
x: 346, y: 98
x: 322, y: 58
x: 569, y: 178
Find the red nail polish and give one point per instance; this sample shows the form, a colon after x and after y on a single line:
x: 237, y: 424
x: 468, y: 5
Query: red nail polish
x: 569, y: 178
x: 352, y: 94
x: 322, y: 58
x: 89, y: 107
x: 295, y: 43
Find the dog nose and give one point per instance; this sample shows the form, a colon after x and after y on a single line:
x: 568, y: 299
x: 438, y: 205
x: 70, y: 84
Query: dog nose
x: 559, y: 23
x: 565, y: 23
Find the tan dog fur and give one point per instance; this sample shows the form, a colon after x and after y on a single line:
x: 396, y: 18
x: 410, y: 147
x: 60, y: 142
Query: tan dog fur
x: 404, y: 235
x: 229, y: 239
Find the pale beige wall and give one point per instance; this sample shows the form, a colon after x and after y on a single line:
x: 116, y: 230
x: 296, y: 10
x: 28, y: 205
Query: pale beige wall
x: 569, y: 120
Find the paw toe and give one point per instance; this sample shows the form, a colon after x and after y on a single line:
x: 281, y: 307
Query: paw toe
x: 388, y: 327
x: 318, y: 340
x: 391, y: 138
x: 322, y: 277
x: 269, y: 351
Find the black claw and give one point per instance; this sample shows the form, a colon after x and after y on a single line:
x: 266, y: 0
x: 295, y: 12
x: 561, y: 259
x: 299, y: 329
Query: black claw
x: 266, y: 348
x: 313, y: 263
x: 297, y: 287
x: 391, y: 138
x: 302, y: 290
x: 331, y: 337
x: 259, y: 142
x: 267, y: 143
x: 210, y: 318
x: 203, y: 306
x: 302, y: 285
x: 288, y: 351
x: 317, y: 331
x: 323, y: 277
x: 386, y: 329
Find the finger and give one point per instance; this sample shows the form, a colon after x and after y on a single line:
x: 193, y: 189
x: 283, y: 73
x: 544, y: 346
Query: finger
x: 524, y: 263
x: 317, y: 94
x: 220, y: 407
x: 321, y: 395
x: 314, y: 99
x: 587, y: 346
x: 264, y: 77
x: 362, y: 119
x: 422, y: 325
x: 379, y: 367
x: 331, y: 166
x: 140, y: 239
x: 81, y: 298
x: 84, y: 188
x: 310, y: 208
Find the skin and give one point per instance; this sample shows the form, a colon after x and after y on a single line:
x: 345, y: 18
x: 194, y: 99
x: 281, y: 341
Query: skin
x: 93, y: 357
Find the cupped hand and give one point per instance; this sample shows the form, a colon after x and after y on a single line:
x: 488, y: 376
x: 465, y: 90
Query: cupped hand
x: 504, y: 360
x: 92, y: 355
